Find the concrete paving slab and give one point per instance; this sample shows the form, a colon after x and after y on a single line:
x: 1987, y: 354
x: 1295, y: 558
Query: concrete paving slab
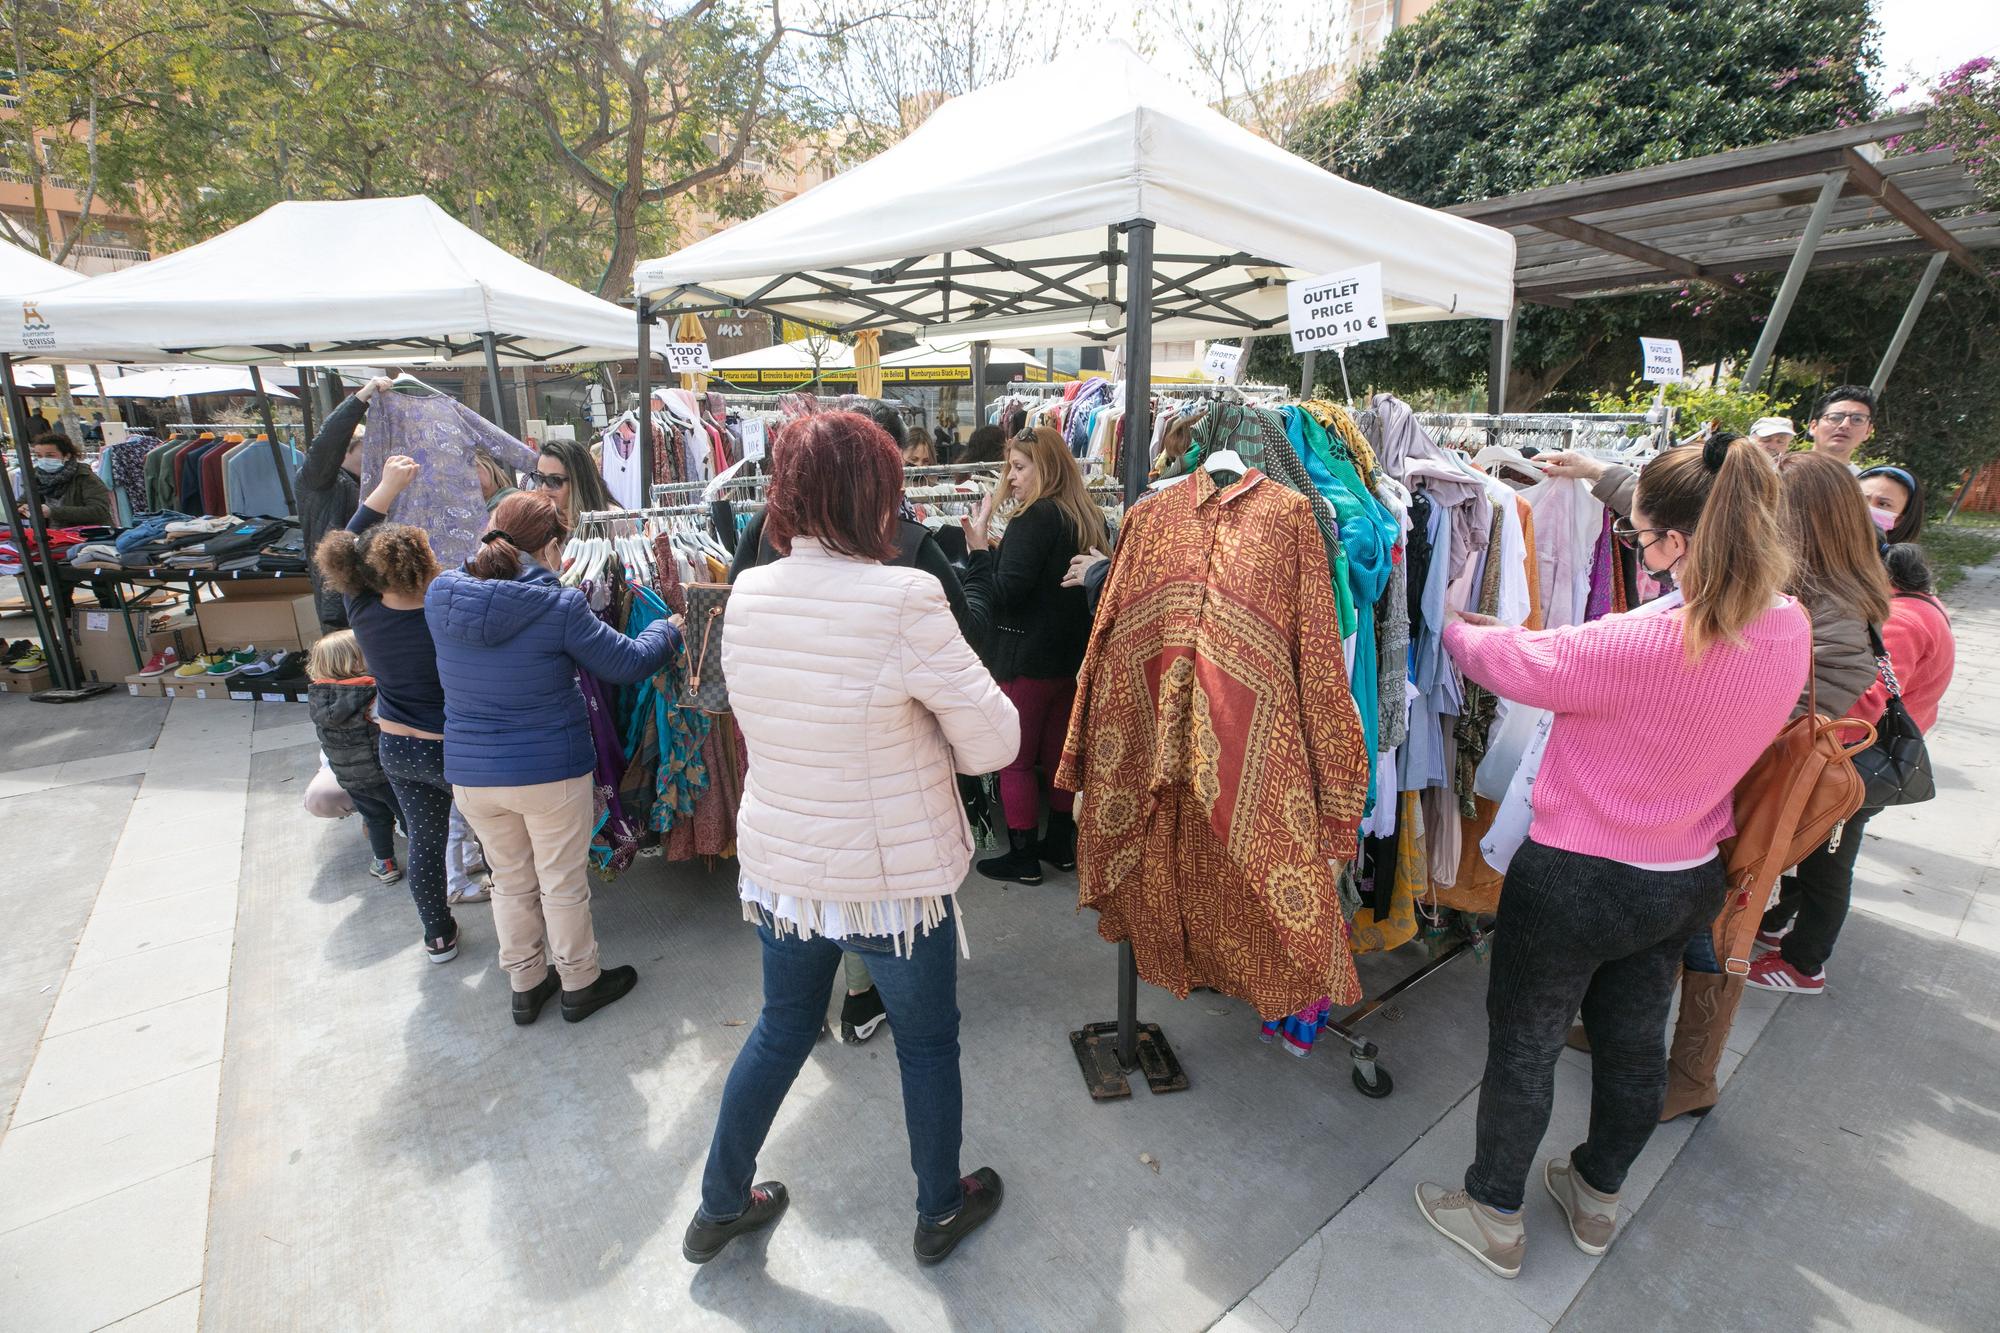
x: 79, y: 1068
x: 44, y: 1287
x: 44, y: 912
x: 142, y: 981
x: 126, y: 929
x: 379, y: 1113
x: 1849, y: 1179
x: 176, y: 1314
x: 34, y: 734
x: 56, y: 1164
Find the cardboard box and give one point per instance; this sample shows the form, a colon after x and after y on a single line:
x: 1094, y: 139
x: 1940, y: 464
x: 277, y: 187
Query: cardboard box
x: 30, y: 683
x: 261, y: 589
x: 267, y: 623
x: 104, y: 645
x: 145, y: 687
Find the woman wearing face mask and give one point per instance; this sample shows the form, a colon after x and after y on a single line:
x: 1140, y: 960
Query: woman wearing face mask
x: 1658, y: 714
x: 1895, y: 503
x: 72, y: 495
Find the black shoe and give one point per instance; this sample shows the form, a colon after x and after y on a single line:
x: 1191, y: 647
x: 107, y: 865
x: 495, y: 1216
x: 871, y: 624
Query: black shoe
x: 611, y: 985
x: 860, y: 1015
x: 1020, y: 865
x: 705, y: 1240
x: 1059, y: 843
x: 982, y: 1199
x: 442, y: 950
x: 528, y: 1003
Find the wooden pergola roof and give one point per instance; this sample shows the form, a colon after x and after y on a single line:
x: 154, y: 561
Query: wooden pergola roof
x: 1745, y: 211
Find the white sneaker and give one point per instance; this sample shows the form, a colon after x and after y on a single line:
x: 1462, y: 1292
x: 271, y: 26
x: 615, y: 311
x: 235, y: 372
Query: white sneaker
x: 1487, y: 1234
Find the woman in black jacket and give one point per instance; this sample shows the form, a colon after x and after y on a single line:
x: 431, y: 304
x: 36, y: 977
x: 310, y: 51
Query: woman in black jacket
x: 1035, y: 647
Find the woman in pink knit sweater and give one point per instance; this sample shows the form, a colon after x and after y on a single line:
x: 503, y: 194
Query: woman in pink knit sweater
x: 1658, y: 714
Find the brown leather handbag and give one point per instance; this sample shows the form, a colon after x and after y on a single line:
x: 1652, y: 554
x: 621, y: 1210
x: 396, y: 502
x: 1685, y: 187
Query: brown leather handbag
x: 1793, y: 800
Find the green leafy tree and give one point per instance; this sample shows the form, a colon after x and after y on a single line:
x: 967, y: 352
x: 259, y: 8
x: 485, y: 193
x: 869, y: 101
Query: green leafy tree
x: 1487, y: 97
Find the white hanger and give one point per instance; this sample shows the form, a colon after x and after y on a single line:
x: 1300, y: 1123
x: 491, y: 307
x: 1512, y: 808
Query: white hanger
x: 1225, y: 460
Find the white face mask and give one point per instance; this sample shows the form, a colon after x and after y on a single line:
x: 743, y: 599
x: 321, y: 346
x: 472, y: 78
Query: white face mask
x: 49, y: 466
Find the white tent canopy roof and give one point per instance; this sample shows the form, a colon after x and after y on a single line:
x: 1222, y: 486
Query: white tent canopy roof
x: 184, y: 382
x: 386, y: 281
x: 833, y: 355
x: 25, y: 273
x: 959, y: 355
x: 984, y: 188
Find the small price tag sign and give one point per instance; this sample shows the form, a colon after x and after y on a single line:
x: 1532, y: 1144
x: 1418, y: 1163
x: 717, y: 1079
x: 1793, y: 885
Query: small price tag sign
x: 687, y: 358
x: 1662, y: 357
x: 1222, y: 362
x: 1337, y: 310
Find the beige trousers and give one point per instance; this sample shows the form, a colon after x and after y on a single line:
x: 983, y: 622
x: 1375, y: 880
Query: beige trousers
x: 537, y: 842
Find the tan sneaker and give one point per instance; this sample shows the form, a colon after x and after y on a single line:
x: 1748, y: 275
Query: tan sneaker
x: 1592, y: 1216
x: 1488, y: 1235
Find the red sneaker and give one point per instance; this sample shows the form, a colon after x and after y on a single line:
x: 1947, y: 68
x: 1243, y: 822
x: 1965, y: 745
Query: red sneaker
x: 1772, y: 972
x: 1771, y: 939
x: 160, y: 663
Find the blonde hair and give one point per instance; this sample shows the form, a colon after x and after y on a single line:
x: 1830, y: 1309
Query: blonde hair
x: 1059, y: 481
x: 1832, y: 538
x: 1723, y: 497
x: 337, y: 657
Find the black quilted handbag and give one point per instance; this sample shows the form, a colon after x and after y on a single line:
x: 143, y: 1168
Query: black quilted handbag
x: 1897, y: 767
x: 704, y: 687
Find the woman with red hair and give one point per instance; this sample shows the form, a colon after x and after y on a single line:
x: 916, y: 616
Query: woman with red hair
x: 858, y: 698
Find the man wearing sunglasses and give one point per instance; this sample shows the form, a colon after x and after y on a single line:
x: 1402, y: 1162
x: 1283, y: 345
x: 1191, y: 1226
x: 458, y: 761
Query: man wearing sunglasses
x: 1842, y: 421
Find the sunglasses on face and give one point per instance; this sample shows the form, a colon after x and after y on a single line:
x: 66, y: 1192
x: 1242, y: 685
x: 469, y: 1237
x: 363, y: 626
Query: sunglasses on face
x: 548, y: 481
x: 1629, y: 536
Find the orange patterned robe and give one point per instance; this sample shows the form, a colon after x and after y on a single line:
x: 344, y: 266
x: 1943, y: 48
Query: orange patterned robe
x: 1218, y: 749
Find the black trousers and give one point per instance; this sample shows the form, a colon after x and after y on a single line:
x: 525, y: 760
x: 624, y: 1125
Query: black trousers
x: 380, y: 814
x: 1580, y: 931
x: 415, y: 769
x: 1815, y: 897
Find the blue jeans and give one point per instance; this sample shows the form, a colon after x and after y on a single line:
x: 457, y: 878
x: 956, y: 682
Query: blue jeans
x: 920, y: 991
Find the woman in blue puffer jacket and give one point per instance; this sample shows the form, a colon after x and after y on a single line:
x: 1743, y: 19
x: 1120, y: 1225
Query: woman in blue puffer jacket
x: 517, y: 745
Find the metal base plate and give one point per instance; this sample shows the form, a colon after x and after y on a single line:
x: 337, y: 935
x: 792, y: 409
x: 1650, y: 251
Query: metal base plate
x: 77, y: 695
x: 1096, y: 1047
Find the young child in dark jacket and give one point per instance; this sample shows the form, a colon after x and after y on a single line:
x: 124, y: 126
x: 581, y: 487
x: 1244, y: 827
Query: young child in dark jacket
x: 340, y: 701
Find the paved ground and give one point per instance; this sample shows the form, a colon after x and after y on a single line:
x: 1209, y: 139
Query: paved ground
x: 240, y: 1099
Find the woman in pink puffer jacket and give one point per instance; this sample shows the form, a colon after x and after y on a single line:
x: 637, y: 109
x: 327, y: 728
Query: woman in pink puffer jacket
x: 859, y: 700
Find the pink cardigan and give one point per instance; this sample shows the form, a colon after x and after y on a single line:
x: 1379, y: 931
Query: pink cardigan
x: 1645, y: 749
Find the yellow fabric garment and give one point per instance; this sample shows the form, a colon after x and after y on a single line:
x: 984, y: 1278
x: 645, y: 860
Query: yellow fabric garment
x: 1379, y: 935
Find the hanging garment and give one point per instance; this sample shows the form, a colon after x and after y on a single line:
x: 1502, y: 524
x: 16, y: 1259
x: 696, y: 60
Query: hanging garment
x: 251, y: 479
x: 1218, y: 749
x: 619, y: 462
x: 445, y: 436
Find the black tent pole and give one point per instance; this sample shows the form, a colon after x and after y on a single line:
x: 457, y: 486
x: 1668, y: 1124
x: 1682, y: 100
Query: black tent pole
x: 59, y: 649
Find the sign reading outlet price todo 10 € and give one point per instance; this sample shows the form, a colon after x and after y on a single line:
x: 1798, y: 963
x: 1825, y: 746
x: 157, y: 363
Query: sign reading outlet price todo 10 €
x: 1337, y: 309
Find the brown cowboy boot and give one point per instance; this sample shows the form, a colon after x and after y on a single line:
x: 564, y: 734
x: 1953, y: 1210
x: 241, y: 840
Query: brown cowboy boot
x: 1708, y: 1011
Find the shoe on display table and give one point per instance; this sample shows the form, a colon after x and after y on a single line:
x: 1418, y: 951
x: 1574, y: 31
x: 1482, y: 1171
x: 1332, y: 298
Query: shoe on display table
x: 198, y: 666
x: 160, y: 663
x: 29, y: 662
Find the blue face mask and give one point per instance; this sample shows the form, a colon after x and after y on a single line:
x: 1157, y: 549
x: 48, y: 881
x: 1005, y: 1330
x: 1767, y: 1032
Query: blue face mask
x: 50, y: 466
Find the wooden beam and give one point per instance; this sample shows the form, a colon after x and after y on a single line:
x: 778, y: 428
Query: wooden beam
x: 1600, y: 239
x: 1863, y: 177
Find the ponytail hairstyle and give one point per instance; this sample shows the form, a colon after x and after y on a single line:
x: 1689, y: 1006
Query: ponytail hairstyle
x: 387, y: 558
x: 1722, y: 496
x: 522, y: 526
x: 1834, y: 542
x: 1908, y: 570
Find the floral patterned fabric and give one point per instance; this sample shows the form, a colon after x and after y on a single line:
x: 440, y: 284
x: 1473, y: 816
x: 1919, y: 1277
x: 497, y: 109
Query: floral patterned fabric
x: 1218, y: 749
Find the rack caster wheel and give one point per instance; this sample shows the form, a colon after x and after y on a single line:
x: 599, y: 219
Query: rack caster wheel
x: 1382, y: 1085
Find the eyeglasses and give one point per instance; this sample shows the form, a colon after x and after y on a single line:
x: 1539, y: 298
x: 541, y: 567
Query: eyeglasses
x: 1843, y: 418
x: 548, y: 481
x: 1628, y: 536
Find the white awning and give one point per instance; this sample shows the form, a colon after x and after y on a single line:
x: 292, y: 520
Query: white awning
x: 381, y: 281
x: 1029, y: 174
x: 832, y: 355
x: 187, y: 382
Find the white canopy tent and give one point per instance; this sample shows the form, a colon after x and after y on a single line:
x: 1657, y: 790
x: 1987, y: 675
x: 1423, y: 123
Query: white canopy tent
x: 805, y: 354
x: 187, y: 382
x: 383, y: 281
x: 1011, y: 216
x: 959, y: 354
